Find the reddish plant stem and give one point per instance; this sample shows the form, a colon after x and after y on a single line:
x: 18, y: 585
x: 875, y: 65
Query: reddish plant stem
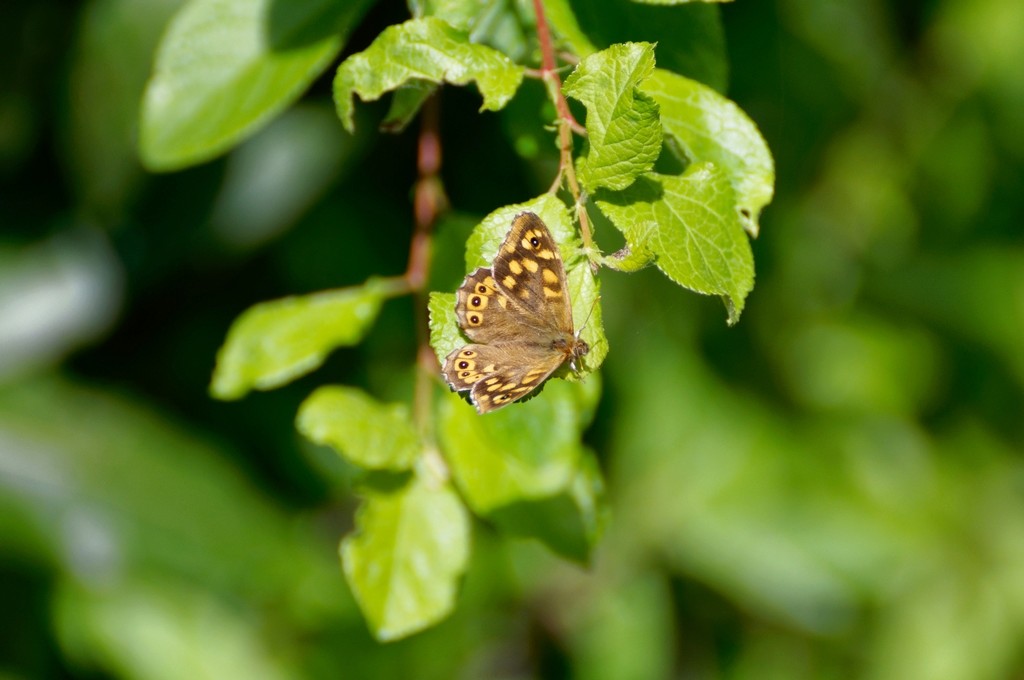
x: 567, y: 124
x: 429, y: 201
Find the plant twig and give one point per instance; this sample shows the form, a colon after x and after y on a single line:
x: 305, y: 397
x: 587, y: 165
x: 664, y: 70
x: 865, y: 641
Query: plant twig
x: 429, y: 201
x: 566, y: 125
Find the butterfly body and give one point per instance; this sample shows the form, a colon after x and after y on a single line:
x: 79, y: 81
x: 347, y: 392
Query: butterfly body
x: 518, y: 315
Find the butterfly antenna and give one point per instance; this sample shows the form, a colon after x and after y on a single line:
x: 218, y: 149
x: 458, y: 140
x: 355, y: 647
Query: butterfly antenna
x: 587, y: 319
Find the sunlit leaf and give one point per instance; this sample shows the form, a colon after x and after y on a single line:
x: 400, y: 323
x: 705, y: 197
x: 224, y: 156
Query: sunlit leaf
x: 426, y: 50
x: 366, y: 432
x: 710, y: 127
x: 497, y: 23
x: 274, y: 342
x: 226, y: 67
x: 623, y: 130
x: 406, y: 557
x: 150, y: 624
x: 444, y: 324
x: 529, y: 450
x: 690, y: 227
x: 483, y: 243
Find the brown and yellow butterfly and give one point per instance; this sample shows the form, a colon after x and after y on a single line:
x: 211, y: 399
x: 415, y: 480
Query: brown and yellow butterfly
x: 518, y: 316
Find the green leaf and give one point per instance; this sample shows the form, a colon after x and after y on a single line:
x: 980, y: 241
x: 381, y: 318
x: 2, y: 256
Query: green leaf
x: 370, y: 434
x: 585, y: 289
x: 496, y: 23
x: 570, y: 522
x: 166, y: 485
x: 226, y: 67
x: 623, y: 130
x: 635, y: 255
x: 444, y: 324
x: 710, y: 127
x: 134, y: 630
x: 405, y: 104
x: 528, y: 451
x: 689, y: 225
x: 272, y: 343
x: 406, y: 558
x: 426, y: 50
x: 460, y: 14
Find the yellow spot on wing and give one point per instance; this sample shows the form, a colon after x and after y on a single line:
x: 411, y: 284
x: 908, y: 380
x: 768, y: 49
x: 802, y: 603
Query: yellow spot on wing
x: 515, y: 267
x: 549, y: 276
x: 509, y: 281
x: 530, y: 264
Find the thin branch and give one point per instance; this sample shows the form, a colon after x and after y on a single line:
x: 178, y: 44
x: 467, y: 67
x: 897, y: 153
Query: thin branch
x: 429, y: 201
x: 566, y: 124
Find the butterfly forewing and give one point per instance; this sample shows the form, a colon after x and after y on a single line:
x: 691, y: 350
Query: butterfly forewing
x: 528, y: 269
x: 484, y: 312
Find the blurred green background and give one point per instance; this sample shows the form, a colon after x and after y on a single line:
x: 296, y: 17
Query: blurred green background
x: 833, y: 488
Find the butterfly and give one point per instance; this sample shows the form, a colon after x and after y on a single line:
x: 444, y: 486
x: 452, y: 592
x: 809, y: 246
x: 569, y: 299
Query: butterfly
x: 518, y: 316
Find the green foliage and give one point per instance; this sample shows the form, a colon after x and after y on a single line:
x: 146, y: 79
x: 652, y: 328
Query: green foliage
x: 829, y: 489
x: 709, y: 127
x: 689, y: 226
x: 369, y: 434
x: 524, y: 468
x: 623, y: 129
x: 424, y: 51
x: 259, y: 56
x: 273, y: 343
x: 99, y: 630
x: 406, y: 558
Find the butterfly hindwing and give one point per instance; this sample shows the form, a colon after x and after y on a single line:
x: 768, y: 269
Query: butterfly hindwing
x: 497, y: 376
